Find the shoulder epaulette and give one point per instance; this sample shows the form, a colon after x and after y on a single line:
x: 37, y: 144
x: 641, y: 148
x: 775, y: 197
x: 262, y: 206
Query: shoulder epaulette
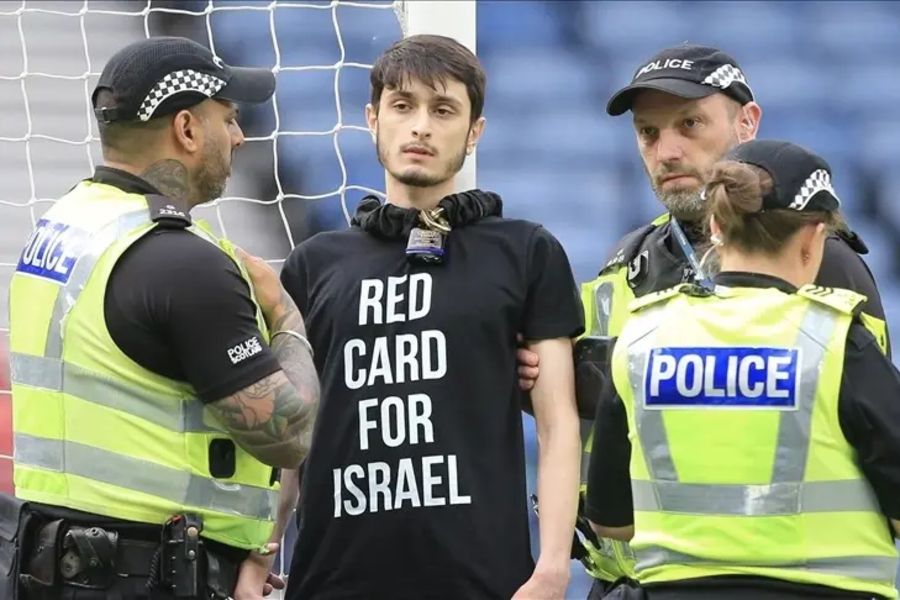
x: 654, y: 297
x: 168, y: 212
x: 839, y: 299
x: 628, y: 246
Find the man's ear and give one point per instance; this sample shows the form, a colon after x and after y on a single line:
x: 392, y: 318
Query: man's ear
x: 748, y: 126
x: 187, y: 128
x: 372, y: 119
x: 475, y: 132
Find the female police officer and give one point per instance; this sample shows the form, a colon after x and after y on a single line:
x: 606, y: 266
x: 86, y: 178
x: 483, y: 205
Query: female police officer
x: 758, y: 421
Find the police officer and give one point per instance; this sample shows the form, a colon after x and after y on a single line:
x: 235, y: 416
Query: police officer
x: 764, y: 454
x: 690, y: 104
x: 157, y: 376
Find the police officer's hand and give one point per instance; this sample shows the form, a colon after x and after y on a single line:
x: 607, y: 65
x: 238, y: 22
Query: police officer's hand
x: 270, y: 295
x: 255, y: 577
x: 528, y: 363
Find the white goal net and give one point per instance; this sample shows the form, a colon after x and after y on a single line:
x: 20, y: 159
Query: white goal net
x: 308, y: 157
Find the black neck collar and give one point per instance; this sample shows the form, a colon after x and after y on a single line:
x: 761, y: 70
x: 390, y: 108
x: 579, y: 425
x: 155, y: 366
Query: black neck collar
x: 392, y: 222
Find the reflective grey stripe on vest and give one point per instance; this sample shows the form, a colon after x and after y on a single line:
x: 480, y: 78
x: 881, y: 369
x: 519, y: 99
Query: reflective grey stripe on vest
x: 585, y: 427
x: 649, y: 423
x: 754, y: 500
x: 49, y: 372
x: 68, y: 294
x: 181, y: 488
x: 53, y: 374
x: 868, y: 568
x: 787, y: 493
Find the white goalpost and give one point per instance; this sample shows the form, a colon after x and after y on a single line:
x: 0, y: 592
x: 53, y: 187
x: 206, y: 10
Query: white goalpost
x: 453, y: 18
x: 52, y: 52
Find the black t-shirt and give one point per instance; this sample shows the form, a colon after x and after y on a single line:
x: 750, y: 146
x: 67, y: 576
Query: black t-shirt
x: 868, y: 412
x: 176, y: 304
x: 415, y: 484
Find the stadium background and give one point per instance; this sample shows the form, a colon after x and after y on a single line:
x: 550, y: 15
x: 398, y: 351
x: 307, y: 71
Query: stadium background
x: 826, y: 74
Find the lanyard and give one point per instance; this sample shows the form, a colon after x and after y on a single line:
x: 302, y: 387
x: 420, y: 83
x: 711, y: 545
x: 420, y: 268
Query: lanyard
x: 700, y: 275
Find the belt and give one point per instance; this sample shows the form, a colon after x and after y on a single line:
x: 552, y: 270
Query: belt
x: 48, y: 561
x: 135, y: 558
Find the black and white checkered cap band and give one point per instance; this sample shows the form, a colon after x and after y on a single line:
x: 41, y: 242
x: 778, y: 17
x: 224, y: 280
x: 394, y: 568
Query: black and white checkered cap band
x: 185, y: 80
x: 819, y: 181
x: 725, y: 76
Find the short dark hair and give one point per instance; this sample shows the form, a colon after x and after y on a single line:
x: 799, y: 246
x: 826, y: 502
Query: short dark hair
x: 430, y: 59
x: 122, y: 135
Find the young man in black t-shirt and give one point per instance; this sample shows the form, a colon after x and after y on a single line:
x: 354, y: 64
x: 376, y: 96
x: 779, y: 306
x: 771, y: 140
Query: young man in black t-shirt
x: 415, y: 483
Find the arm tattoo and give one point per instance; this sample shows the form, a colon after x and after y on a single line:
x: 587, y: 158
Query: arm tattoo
x: 170, y: 177
x: 273, y: 419
x: 290, y: 316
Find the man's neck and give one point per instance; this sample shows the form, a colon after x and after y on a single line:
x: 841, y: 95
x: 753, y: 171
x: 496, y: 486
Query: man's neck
x: 167, y: 175
x: 419, y: 198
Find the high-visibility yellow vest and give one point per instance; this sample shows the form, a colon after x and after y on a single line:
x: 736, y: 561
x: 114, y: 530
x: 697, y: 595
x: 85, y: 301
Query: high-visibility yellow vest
x: 739, y: 465
x: 606, y: 300
x: 94, y: 431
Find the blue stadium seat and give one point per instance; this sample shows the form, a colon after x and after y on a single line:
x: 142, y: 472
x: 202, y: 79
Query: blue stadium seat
x: 366, y: 32
x: 881, y: 249
x: 878, y: 141
x: 355, y: 94
x: 850, y: 31
x: 617, y: 26
x: 564, y: 78
x: 817, y: 129
x: 585, y: 137
x: 297, y: 27
x: 502, y: 24
x: 737, y: 28
x: 579, y: 207
x: 888, y: 194
x: 787, y: 82
x: 308, y: 118
x: 243, y: 37
x: 869, y: 87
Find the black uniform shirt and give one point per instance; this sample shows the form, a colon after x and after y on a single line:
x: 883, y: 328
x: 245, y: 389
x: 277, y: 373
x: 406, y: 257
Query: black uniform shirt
x: 175, y: 304
x: 415, y: 484
x: 868, y: 411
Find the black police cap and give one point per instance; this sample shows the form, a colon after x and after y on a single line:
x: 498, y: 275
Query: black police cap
x: 802, y: 179
x: 687, y: 71
x: 162, y: 75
